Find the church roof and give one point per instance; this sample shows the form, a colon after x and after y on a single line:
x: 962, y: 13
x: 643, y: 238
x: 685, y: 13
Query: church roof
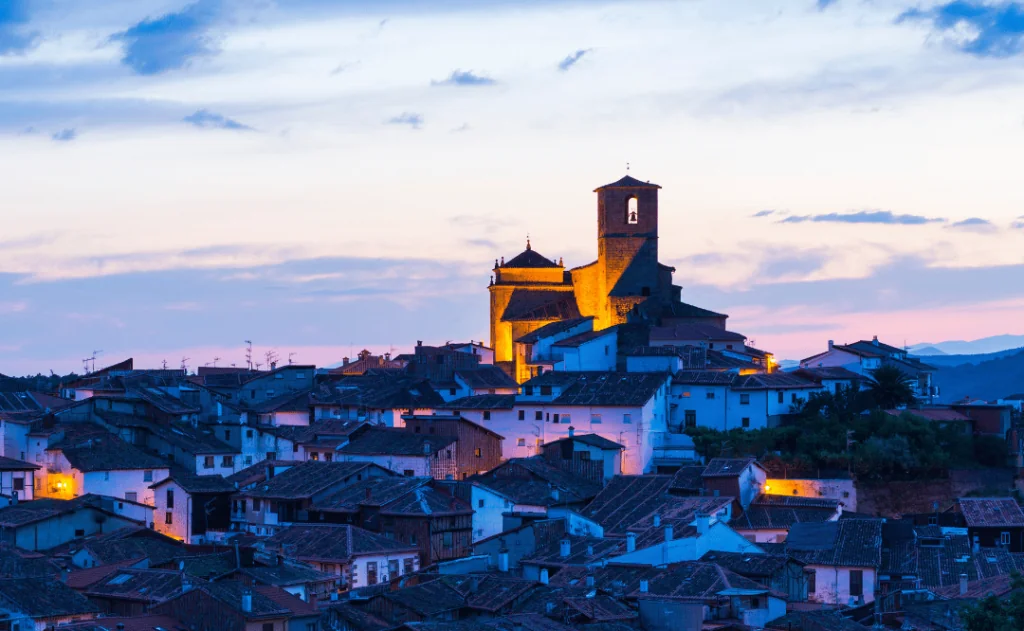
x: 529, y: 258
x: 627, y: 182
x: 537, y: 304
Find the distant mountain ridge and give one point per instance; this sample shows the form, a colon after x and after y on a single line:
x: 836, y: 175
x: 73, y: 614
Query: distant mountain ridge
x: 984, y: 345
x: 940, y: 361
x: 989, y: 379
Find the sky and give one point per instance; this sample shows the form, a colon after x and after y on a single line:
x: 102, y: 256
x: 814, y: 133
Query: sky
x: 322, y: 176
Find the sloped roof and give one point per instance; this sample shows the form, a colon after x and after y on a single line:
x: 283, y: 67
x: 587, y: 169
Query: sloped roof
x: 847, y: 542
x: 527, y: 305
x: 486, y: 377
x: 750, y: 565
x: 377, y: 491
x: 10, y: 464
x: 688, y: 479
x: 727, y: 467
x: 306, y: 479
x: 286, y: 574
x: 987, y: 512
x: 531, y: 481
x: 627, y: 181
x: 332, y: 543
x: 481, y: 402
x: 230, y: 593
x: 695, y: 331
x: 379, y: 389
x: 394, y: 441
x: 530, y: 259
x: 20, y: 563
x: 612, y: 389
x: 697, y: 582
x: 582, y: 338
x: 593, y: 440
x: 108, y: 453
x: 553, y: 328
x: 772, y: 381
x: 192, y: 483
x: 150, y: 586
x: 43, y: 598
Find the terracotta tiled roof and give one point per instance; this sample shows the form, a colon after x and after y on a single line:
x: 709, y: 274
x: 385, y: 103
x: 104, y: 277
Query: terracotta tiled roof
x: 528, y: 305
x: 486, y: 377
x: 986, y: 512
x: 44, y: 598
x: 394, y: 441
x: 481, y: 402
x: 332, y: 543
x: 847, y: 542
x: 308, y: 478
x: 727, y: 467
x: 691, y: 331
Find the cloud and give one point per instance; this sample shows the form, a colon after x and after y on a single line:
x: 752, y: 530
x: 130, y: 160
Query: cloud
x: 482, y: 243
x: 171, y: 41
x: 865, y: 216
x: 763, y: 213
x: 14, y: 39
x: 983, y: 30
x: 572, y: 59
x: 824, y: 4
x: 64, y: 135
x: 211, y: 120
x: 790, y: 265
x: 465, y: 78
x: 406, y: 118
x: 461, y: 128
x: 973, y: 224
x: 1019, y: 224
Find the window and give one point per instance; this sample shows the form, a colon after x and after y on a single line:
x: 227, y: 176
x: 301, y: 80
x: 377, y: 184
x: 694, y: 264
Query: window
x: 686, y: 394
x: 248, y: 433
x: 106, y: 476
x: 539, y: 442
x: 392, y: 568
x: 79, y: 532
x: 538, y: 415
x: 605, y: 350
x: 131, y: 496
x: 271, y: 455
x: 314, y: 455
x: 328, y: 456
x: 273, y: 507
x: 412, y: 539
x: 522, y: 415
x: 268, y: 626
x: 371, y: 572
x: 295, y: 447
x: 744, y: 399
x: 227, y: 461
x: 453, y: 391
x: 690, y: 418
x: 170, y: 498
x: 933, y: 520
x: 408, y: 473
x: 584, y: 455
x: 248, y: 460
x: 407, y: 566
x: 1004, y: 538
x: 793, y: 398
x: 565, y: 419
x: 208, y: 462
x: 746, y: 422
x: 19, y: 484
x: 478, y: 452
x: 644, y: 291
x: 710, y: 394
x: 480, y: 503
x: 257, y: 504
x: 521, y: 442
x: 782, y: 396
x: 447, y: 539
x: 632, y: 212
x: 595, y: 419
x: 856, y: 582
x: 811, y: 582
x: 555, y: 419
x: 528, y: 391
x: 168, y: 518
x: 227, y: 434
x: 487, y: 415
x: 300, y: 375
x: 544, y: 390
x: 252, y: 394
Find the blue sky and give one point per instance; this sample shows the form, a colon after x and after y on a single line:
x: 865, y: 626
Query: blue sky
x: 320, y: 175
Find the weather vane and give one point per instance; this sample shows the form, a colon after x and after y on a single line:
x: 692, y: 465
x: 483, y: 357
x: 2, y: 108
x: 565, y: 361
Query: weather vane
x: 627, y: 167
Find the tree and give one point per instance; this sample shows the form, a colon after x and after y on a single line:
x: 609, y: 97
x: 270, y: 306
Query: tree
x: 890, y: 388
x: 997, y: 614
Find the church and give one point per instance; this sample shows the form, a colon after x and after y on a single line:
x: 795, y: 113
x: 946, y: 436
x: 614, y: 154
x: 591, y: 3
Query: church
x: 626, y: 284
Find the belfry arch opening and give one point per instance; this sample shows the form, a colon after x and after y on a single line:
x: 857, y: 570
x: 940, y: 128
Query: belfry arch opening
x: 632, y: 211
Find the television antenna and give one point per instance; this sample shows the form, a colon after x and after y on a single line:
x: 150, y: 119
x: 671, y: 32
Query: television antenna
x: 248, y: 354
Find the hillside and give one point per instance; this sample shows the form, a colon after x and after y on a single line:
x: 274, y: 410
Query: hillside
x: 984, y: 345
x: 941, y: 361
x: 988, y: 380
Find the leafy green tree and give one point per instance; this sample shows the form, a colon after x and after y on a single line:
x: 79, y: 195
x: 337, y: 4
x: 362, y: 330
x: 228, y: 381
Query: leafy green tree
x: 890, y: 387
x: 997, y: 614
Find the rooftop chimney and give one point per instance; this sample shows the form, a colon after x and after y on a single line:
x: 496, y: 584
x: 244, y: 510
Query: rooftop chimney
x: 554, y: 494
x: 963, y: 584
x: 14, y: 498
x: 590, y: 580
x: 419, y: 342
x: 564, y: 548
x: 344, y: 361
x: 503, y: 560
x: 426, y: 448
x: 369, y: 494
x: 590, y: 550
x: 977, y: 545
x: 544, y: 576
x: 120, y: 626
x: 668, y: 533
x: 831, y: 343
x: 703, y: 522
x: 643, y: 585
x: 572, y: 431
x: 657, y: 520
x: 247, y: 600
x: 630, y: 542
x: 874, y: 340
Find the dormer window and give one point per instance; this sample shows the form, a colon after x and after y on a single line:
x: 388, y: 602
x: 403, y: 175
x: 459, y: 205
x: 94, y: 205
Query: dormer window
x: 632, y: 213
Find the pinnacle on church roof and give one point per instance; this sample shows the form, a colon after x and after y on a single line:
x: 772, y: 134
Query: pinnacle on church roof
x: 529, y: 258
x: 627, y: 182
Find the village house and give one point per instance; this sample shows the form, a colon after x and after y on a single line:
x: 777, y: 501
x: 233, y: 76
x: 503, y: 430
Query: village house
x: 480, y: 380
x: 780, y: 572
x: 318, y: 441
x: 287, y: 497
x: 17, y: 479
x: 726, y: 401
x: 364, y: 362
x: 631, y: 409
x: 740, y: 478
x: 588, y: 455
x: 359, y: 557
x: 524, y: 489
x: 232, y: 606
x: 297, y: 579
x: 829, y: 485
x: 377, y: 397
x: 414, y: 510
x: 46, y: 523
x: 403, y: 452
x: 993, y: 521
x: 842, y: 559
x: 192, y: 508
x: 133, y: 591
x: 864, y: 357
x: 769, y: 518
x: 41, y: 604
x: 535, y: 353
x: 477, y: 449
x: 135, y: 546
